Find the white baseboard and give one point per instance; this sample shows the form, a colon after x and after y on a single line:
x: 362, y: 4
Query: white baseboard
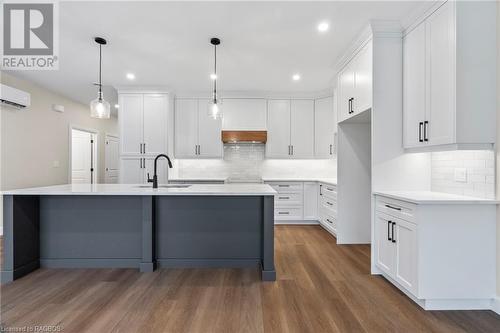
x: 296, y: 222
x: 495, y: 305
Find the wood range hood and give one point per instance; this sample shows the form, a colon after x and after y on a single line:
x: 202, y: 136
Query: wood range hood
x: 244, y: 136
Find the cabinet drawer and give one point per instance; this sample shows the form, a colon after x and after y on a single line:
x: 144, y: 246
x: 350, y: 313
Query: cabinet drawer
x: 288, y: 199
x: 288, y: 213
x: 287, y: 187
x: 329, y: 206
x: 329, y: 191
x: 329, y: 222
x: 400, y: 209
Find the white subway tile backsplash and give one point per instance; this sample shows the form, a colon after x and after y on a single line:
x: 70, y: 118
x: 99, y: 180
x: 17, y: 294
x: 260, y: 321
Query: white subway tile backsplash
x: 480, y: 173
x: 247, y: 161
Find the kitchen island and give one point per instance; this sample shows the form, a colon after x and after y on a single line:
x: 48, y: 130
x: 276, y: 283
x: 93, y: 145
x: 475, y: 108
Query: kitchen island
x: 119, y: 225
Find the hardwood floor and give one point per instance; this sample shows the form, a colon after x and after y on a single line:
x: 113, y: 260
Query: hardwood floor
x: 321, y: 287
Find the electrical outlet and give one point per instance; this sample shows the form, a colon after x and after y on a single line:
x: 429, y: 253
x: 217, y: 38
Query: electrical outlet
x: 461, y: 175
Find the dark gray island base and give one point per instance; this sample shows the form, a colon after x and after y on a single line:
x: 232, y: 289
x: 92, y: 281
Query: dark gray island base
x: 142, y: 231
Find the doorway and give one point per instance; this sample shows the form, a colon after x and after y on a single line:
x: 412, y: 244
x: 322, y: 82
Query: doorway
x: 83, y: 156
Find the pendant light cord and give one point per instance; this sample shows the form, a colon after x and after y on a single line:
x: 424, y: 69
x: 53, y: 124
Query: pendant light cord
x: 100, y: 64
x: 215, y: 72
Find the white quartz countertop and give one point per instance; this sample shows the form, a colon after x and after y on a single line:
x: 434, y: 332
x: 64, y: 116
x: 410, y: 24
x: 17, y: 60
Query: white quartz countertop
x: 139, y: 189
x: 332, y: 181
x: 434, y: 198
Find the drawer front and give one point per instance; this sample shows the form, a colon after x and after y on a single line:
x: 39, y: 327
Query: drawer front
x: 329, y: 222
x: 329, y: 206
x: 288, y: 213
x: 288, y: 199
x: 329, y: 191
x: 396, y: 208
x: 287, y: 187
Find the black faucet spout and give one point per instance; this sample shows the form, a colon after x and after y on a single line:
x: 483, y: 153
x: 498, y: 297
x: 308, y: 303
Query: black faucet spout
x: 154, y: 180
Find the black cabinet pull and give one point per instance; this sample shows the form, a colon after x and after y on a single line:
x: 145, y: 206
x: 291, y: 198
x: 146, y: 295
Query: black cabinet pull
x: 389, y: 230
x: 420, y: 125
x: 393, y: 239
x: 391, y: 207
x: 426, y: 125
x: 351, y: 100
x: 320, y: 188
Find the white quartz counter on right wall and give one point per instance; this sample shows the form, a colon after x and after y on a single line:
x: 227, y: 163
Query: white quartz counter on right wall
x: 469, y: 173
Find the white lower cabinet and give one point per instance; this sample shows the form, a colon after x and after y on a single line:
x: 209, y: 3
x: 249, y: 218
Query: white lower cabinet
x: 327, y: 207
x: 310, y: 201
x: 134, y: 170
x: 440, y: 255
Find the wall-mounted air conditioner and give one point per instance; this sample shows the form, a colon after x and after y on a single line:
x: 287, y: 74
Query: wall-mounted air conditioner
x: 14, y: 97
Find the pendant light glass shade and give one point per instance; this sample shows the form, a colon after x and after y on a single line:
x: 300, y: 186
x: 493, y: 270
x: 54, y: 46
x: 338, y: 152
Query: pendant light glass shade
x: 214, y: 106
x: 100, y: 108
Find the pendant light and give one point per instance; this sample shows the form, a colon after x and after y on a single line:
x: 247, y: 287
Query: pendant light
x: 214, y: 106
x: 99, y: 108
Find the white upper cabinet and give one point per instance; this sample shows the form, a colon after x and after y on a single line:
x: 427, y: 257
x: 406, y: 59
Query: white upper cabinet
x: 197, y: 135
x: 278, y: 129
x: 131, y: 129
x: 244, y: 114
x: 143, y: 123
x: 355, y: 84
x: 325, y: 127
x: 302, y: 128
x: 448, y: 98
x: 414, y: 87
x: 290, y: 129
x: 155, y: 119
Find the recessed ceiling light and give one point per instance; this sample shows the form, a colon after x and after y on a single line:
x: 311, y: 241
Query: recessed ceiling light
x: 323, y: 27
x: 116, y: 106
x: 131, y: 76
x: 296, y: 77
x: 213, y: 76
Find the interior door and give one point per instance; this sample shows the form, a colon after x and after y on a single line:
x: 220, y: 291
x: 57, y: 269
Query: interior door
x: 363, y: 79
x: 155, y: 124
x: 112, y: 159
x: 406, y: 254
x: 132, y: 170
x: 385, y: 252
x: 186, y: 128
x: 278, y: 129
x: 414, y: 98
x: 131, y: 120
x: 302, y: 128
x: 81, y: 157
x: 441, y: 72
x: 209, y: 133
x: 324, y: 127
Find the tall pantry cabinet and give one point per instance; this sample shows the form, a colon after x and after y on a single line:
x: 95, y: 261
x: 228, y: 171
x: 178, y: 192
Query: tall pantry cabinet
x: 143, y: 130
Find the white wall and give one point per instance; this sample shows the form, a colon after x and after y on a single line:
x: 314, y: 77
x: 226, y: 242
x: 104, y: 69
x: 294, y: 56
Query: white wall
x: 33, y: 139
x: 498, y: 151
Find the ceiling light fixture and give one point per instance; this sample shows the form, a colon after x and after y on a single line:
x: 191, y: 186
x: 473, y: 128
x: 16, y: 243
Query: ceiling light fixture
x: 131, y: 76
x: 117, y: 106
x: 214, y: 107
x: 323, y: 27
x: 99, y: 108
x: 296, y: 77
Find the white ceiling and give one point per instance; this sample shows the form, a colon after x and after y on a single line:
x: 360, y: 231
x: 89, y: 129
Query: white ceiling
x: 167, y: 44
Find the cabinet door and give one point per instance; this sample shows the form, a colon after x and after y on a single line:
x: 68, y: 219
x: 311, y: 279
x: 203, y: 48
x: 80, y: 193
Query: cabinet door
x: 414, y: 87
x: 131, y: 123
x: 244, y: 114
x: 310, y: 201
x: 209, y: 133
x: 132, y: 171
x: 186, y: 128
x: 278, y: 129
x: 324, y: 128
x: 302, y: 128
x: 162, y: 170
x: 441, y: 74
x: 406, y: 255
x: 155, y: 124
x: 346, y: 91
x: 385, y: 248
x: 363, y: 79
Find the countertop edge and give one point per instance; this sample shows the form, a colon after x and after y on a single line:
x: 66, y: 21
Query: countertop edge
x: 465, y: 201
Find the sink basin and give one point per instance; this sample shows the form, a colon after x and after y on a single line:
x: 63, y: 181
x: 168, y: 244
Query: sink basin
x: 165, y: 186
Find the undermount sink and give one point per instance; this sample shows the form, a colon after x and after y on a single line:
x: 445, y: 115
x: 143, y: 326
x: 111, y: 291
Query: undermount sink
x: 165, y: 186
